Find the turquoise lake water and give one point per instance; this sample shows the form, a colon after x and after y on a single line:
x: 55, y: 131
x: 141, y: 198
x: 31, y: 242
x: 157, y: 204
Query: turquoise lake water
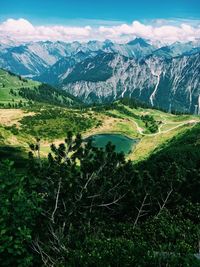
x: 122, y: 143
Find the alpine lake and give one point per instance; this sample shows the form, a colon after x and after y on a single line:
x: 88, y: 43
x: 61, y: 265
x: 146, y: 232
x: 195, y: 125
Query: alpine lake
x: 121, y: 142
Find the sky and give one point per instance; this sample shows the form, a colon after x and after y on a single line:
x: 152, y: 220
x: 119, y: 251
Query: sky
x: 83, y: 20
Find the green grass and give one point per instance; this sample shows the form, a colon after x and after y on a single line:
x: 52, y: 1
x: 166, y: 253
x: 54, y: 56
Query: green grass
x: 18, y: 92
x: 10, y: 82
x: 127, y: 129
x: 54, y: 123
x: 149, y: 141
x: 168, y: 126
x: 47, y: 123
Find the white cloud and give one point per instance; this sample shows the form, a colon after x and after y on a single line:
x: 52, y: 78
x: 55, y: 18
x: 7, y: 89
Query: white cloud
x: 21, y: 30
x: 21, y: 26
x: 162, y: 33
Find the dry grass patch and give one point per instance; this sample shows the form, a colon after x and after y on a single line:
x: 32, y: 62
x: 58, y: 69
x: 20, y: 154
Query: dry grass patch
x: 9, y: 117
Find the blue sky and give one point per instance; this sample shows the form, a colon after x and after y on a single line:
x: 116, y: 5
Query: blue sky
x: 82, y: 11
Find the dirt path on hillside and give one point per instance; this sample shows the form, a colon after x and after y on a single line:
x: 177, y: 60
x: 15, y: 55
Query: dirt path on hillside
x: 141, y: 130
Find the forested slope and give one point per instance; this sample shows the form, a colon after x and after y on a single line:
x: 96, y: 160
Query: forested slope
x: 84, y: 206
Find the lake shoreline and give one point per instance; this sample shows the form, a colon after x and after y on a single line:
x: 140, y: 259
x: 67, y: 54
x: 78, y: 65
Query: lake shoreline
x: 122, y: 143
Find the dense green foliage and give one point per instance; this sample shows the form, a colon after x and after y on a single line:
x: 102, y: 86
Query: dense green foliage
x: 114, y: 106
x: 83, y: 206
x: 15, y: 154
x: 45, y: 123
x: 133, y: 103
x: 150, y: 123
x: 18, y: 208
x: 46, y: 94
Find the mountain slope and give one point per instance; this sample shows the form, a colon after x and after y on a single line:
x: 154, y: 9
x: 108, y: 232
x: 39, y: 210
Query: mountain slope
x: 21, y: 61
x: 56, y: 73
x: 33, y: 59
x: 16, y: 91
x: 165, y: 77
x: 177, y: 49
x: 172, y: 84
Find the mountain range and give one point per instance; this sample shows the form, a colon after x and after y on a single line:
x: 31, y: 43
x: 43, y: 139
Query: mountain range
x: 164, y: 76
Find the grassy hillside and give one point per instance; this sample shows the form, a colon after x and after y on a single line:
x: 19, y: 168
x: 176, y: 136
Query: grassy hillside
x: 10, y: 86
x: 182, y: 148
x: 18, y: 92
x: 153, y: 127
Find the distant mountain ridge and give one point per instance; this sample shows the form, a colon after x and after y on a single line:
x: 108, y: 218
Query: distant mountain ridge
x: 165, y: 76
x: 33, y: 59
x: 165, y: 83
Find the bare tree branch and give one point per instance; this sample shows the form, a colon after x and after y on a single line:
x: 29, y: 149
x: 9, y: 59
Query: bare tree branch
x: 141, y: 211
x: 56, y: 203
x: 164, y: 202
x: 46, y: 259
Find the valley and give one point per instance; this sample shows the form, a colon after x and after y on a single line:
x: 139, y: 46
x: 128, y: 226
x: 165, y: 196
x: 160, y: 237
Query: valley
x: 69, y: 197
x: 38, y: 146
x: 30, y: 110
x: 22, y: 126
